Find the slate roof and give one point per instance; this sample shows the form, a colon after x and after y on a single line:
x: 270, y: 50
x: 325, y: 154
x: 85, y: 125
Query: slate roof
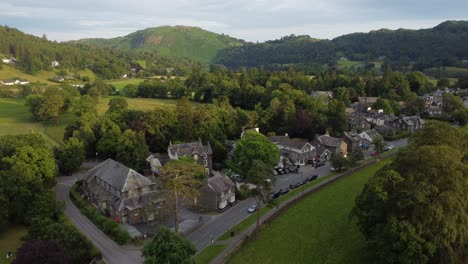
x: 220, y: 183
x: 118, y: 176
x: 328, y: 141
x: 288, y: 142
x: 187, y: 149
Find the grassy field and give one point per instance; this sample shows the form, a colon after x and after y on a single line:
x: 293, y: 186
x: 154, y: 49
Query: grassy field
x: 120, y: 84
x: 10, y: 241
x: 143, y: 104
x: 9, y: 72
x: 316, y: 230
x: 209, y: 253
x: 16, y: 119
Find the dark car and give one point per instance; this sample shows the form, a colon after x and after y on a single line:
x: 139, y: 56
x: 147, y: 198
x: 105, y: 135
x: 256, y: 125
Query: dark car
x: 286, y: 171
x: 292, y: 186
x: 275, y: 195
x: 280, y: 171
x: 283, y: 191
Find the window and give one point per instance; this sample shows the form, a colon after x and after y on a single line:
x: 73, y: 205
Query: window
x: 195, y: 157
x: 205, y: 162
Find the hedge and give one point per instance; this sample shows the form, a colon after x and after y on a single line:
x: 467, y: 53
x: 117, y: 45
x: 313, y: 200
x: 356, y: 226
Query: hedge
x: 108, y: 226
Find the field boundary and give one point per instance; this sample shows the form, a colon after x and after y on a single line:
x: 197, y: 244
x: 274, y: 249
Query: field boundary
x: 237, y: 242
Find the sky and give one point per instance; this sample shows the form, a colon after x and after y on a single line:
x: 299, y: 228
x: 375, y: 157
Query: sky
x: 252, y: 20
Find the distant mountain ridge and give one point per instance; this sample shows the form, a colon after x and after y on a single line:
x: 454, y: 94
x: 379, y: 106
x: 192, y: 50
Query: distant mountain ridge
x: 444, y: 45
x: 179, y: 41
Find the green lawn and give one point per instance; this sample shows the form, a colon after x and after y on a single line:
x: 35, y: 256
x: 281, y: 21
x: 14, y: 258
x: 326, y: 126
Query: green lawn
x: 253, y: 218
x: 10, y: 241
x: 9, y: 72
x: 16, y: 119
x: 143, y: 104
x: 120, y: 84
x: 209, y: 253
x: 316, y: 230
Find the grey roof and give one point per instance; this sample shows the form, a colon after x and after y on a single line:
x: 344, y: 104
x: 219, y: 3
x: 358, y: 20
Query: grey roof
x: 369, y: 100
x: 328, y: 141
x: 188, y: 149
x: 352, y: 136
x: 296, y: 143
x: 220, y: 183
x: 118, y: 176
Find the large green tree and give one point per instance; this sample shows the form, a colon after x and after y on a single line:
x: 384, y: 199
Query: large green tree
x: 181, y: 178
x: 184, y: 111
x: 169, y: 247
x: 70, y: 155
x: 252, y: 147
x: 132, y: 149
x: 415, y: 209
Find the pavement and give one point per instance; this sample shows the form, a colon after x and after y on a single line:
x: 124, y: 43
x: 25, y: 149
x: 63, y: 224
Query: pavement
x: 111, y: 252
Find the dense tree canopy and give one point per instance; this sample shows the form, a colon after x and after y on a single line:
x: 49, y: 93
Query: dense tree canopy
x: 168, y: 247
x: 415, y: 210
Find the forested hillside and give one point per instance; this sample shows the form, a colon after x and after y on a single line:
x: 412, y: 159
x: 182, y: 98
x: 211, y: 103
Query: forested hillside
x: 34, y: 54
x: 443, y: 45
x: 179, y: 41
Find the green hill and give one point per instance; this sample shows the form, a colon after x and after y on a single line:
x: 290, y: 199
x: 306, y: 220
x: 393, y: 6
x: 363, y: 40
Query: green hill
x: 179, y: 41
x: 443, y: 45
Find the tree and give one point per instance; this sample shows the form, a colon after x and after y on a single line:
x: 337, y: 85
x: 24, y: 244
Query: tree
x: 117, y: 105
x: 383, y: 104
x: 379, y: 144
x: 414, y: 210
x: 184, y: 112
x: 161, y: 126
x: 338, y: 161
x: 261, y: 175
x: 50, y: 107
x: 77, y: 248
x: 252, y: 147
x: 337, y: 119
x: 132, y: 149
x: 86, y: 104
x: 169, y: 247
x: 451, y: 104
x: 130, y: 90
x: 182, y: 178
x: 40, y: 252
x: 70, y: 155
x: 342, y: 94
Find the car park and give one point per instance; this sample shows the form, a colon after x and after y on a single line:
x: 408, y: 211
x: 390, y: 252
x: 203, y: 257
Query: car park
x: 252, y: 208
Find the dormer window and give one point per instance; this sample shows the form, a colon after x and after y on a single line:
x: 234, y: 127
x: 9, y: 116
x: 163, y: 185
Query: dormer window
x: 195, y: 157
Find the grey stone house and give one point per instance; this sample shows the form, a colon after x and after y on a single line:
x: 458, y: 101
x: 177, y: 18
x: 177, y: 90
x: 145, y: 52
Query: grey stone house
x: 300, y: 151
x: 218, y: 192
x: 202, y: 154
x: 332, y: 144
x: 122, y: 193
x: 407, y: 123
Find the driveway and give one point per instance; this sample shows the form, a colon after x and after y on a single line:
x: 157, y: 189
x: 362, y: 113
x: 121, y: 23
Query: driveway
x: 111, y: 251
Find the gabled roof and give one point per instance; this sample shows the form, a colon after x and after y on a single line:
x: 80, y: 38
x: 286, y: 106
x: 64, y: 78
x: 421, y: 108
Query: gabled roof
x: 296, y: 143
x: 328, y: 141
x: 118, y: 176
x: 219, y: 183
x: 190, y: 148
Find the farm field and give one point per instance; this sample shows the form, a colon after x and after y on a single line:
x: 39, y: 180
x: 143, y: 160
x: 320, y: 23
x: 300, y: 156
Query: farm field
x: 10, y: 241
x: 120, y: 84
x: 9, y: 72
x: 143, y: 104
x: 317, y: 229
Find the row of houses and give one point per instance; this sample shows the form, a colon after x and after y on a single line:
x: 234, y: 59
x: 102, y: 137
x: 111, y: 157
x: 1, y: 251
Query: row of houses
x: 14, y: 82
x: 385, y: 124
x: 130, y: 197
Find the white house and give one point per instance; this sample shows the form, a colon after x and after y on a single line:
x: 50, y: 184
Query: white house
x: 23, y: 81
x: 55, y: 64
x: 9, y: 82
x: 370, y: 135
x: 6, y: 60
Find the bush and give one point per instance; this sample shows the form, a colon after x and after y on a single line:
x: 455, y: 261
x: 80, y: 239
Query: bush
x: 108, y: 226
x: 397, y: 136
x: 243, y: 192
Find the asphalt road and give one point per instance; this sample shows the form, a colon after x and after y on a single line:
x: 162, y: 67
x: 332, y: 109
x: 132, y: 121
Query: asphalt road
x: 202, y: 237
x: 111, y: 251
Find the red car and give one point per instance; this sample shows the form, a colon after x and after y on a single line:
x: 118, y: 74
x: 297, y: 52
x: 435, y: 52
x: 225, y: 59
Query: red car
x: 375, y: 153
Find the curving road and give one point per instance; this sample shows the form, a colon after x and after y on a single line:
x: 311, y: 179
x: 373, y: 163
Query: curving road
x: 111, y: 251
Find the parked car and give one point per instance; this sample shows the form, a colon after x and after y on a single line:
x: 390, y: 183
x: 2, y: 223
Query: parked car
x: 390, y: 147
x: 333, y: 169
x: 252, y: 208
x: 280, y: 171
x: 313, y: 177
x: 283, y: 191
x: 275, y: 172
x: 275, y: 195
x: 375, y: 153
x: 286, y: 171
